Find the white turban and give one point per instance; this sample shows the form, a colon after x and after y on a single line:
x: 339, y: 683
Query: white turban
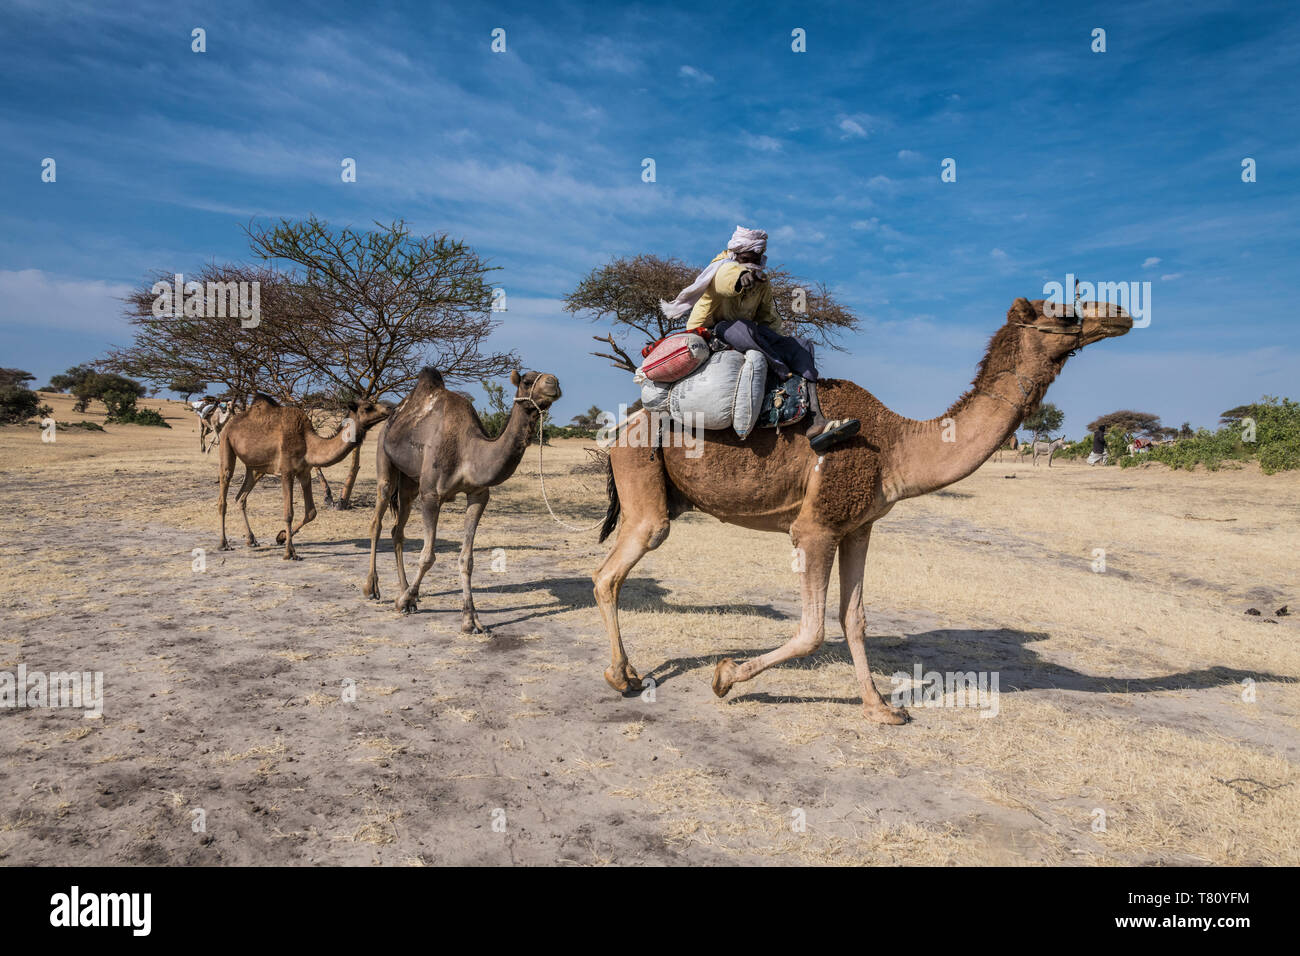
x: 742, y: 240
x: 748, y: 240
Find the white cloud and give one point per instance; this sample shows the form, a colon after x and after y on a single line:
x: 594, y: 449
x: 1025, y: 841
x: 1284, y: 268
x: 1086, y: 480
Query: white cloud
x: 764, y: 143
x: 908, y: 154
x: 691, y: 73
x: 1151, y: 262
x: 35, y: 301
x: 1171, y: 275
x: 852, y: 129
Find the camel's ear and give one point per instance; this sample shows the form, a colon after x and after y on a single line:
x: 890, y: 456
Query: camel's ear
x: 1021, y: 311
x: 514, y: 377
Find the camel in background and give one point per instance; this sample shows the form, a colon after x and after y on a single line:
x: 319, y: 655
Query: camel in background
x: 1012, y: 444
x: 433, y: 449
x: 212, y: 423
x: 270, y: 438
x: 774, y: 481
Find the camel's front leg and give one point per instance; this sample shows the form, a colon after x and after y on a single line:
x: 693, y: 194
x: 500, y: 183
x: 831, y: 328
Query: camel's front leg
x: 308, y: 503
x: 853, y: 561
x: 406, y: 492
x: 818, y: 550
x: 469, y: 622
x: 286, y: 487
x: 223, y: 476
x: 430, y: 505
x: 371, y: 588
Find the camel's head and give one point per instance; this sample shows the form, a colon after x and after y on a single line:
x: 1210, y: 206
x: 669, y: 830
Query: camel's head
x: 542, y: 387
x: 368, y: 414
x: 1057, y: 335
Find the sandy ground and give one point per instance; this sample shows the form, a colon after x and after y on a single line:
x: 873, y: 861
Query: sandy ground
x: 1143, y: 717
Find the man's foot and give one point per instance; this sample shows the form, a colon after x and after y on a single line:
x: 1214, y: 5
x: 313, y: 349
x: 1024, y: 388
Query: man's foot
x: 832, y: 432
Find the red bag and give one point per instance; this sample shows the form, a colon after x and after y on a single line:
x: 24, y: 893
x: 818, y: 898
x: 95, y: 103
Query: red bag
x: 675, y: 356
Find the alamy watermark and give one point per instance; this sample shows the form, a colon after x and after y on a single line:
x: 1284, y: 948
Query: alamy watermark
x: 81, y: 689
x: 949, y: 689
x: 653, y: 429
x: 210, y: 300
x: 1133, y: 297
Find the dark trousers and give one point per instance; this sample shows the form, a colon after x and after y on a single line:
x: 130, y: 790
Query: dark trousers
x: 786, y: 354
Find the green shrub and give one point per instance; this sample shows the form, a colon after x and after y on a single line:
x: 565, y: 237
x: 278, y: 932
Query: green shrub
x: 17, y: 404
x: 1276, y: 444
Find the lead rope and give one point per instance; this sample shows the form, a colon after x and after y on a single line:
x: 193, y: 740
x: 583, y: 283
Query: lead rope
x: 541, y: 475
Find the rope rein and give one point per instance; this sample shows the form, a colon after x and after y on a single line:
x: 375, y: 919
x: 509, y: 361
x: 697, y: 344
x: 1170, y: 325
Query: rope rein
x: 541, y: 475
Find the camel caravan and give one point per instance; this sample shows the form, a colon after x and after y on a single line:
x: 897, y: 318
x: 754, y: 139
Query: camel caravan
x: 831, y: 461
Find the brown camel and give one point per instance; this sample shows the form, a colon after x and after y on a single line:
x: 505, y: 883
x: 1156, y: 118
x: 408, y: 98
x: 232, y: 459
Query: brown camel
x: 1011, y: 444
x: 775, y: 482
x: 270, y: 438
x: 433, y: 449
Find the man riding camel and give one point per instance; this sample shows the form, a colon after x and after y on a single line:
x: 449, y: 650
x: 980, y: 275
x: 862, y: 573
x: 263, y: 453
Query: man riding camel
x: 733, y: 299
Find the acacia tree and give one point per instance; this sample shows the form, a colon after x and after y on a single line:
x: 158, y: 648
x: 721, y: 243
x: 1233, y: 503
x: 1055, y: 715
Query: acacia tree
x: 186, y: 349
x: 1043, y: 420
x: 1130, y: 423
x: 627, y: 292
x: 376, y: 306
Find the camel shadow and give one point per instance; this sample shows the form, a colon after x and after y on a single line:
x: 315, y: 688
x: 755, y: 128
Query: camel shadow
x: 572, y: 594
x: 1004, y: 651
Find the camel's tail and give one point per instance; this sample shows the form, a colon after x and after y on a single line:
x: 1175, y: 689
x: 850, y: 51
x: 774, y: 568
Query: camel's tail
x: 611, y: 489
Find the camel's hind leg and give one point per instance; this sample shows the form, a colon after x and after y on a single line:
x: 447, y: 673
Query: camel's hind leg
x: 308, y: 503
x: 469, y: 622
x: 251, y: 478
x: 224, y: 475
x: 430, y: 506
x: 641, y: 491
x: 853, y: 560
x: 817, y: 546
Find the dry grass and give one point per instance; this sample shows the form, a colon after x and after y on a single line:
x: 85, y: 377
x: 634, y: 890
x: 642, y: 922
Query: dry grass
x: 1121, y: 691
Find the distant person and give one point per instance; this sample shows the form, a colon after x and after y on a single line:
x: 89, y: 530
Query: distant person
x: 1099, y: 452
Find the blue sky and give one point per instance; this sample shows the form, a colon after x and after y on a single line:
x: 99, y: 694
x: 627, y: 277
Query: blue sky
x: 1116, y: 166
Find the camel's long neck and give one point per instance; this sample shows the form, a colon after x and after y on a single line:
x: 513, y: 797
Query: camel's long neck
x: 495, y: 460
x: 938, y: 452
x: 323, y: 452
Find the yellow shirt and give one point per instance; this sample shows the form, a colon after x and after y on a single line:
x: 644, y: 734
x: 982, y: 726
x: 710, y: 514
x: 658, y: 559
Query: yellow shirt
x: 721, y: 300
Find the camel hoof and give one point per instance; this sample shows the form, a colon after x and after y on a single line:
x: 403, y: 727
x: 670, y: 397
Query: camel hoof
x: 885, y: 714
x: 292, y: 556
x: 724, y: 675
x: 252, y: 542
x: 371, y: 591
x: 279, y: 538
x: 473, y: 627
x: 623, y: 680
x: 405, y: 605
x: 225, y: 546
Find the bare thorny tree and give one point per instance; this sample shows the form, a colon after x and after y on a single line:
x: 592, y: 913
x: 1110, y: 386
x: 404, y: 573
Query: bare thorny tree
x: 354, y: 315
x: 627, y: 292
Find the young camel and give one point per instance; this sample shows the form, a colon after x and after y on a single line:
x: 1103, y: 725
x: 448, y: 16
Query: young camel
x: 270, y: 438
x: 433, y: 449
x: 775, y: 482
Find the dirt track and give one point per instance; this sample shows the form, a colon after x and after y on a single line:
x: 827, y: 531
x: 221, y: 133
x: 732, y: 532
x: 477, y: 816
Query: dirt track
x: 224, y: 689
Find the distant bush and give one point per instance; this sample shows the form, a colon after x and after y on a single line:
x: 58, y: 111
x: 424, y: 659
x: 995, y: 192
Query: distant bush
x: 17, y: 404
x: 139, y: 416
x: 1276, y: 444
